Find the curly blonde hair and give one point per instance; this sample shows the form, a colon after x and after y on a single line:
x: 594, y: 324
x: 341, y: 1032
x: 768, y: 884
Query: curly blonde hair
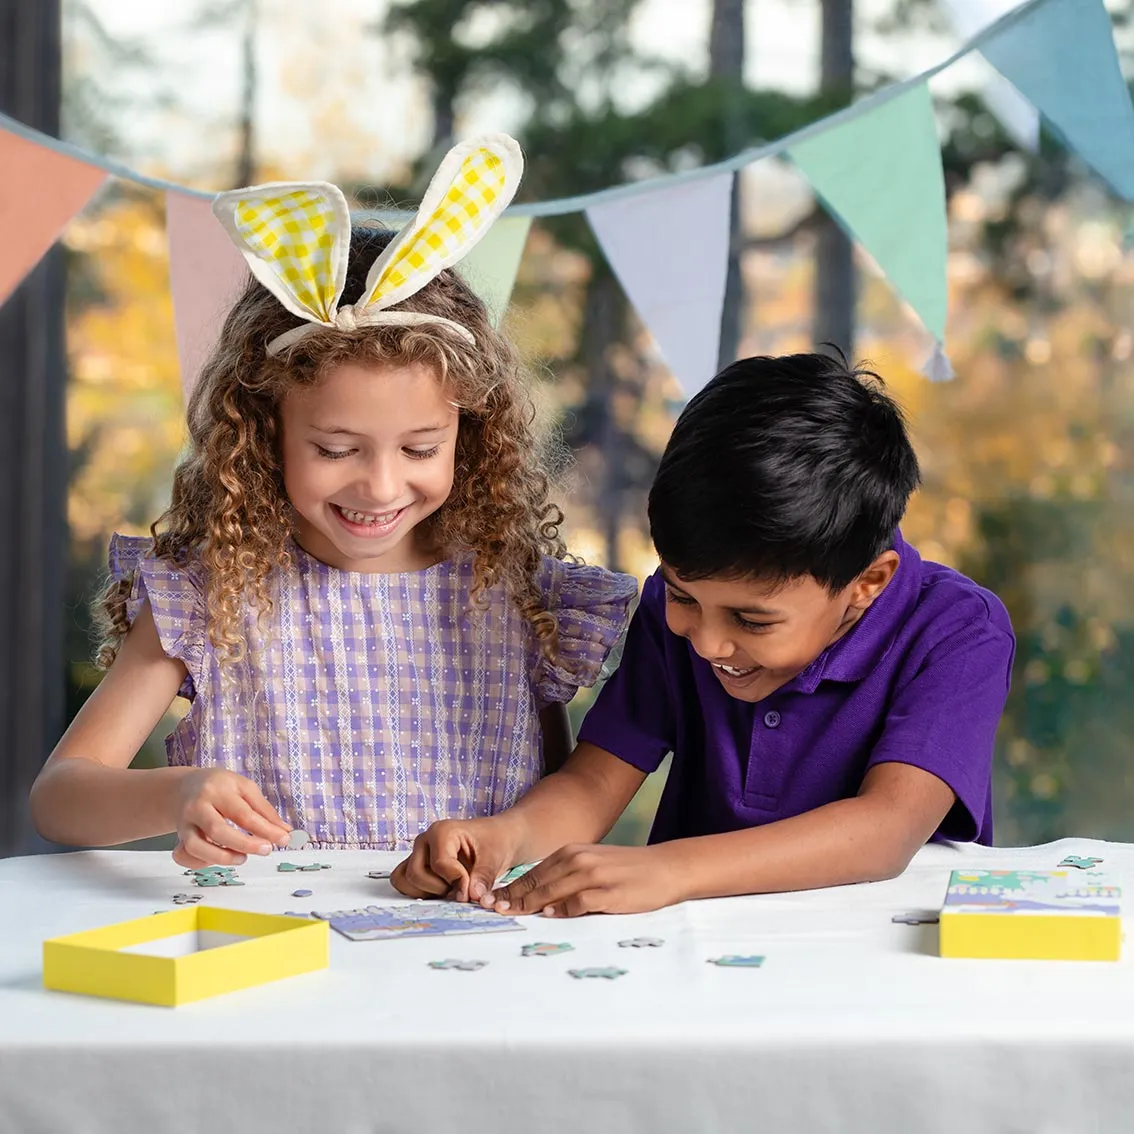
x: 229, y: 510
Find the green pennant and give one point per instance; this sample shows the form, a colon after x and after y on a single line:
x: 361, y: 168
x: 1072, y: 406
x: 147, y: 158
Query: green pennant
x: 880, y: 175
x: 490, y: 268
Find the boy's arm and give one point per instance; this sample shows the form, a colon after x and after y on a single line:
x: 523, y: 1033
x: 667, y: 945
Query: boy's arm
x: 462, y: 858
x: 864, y: 839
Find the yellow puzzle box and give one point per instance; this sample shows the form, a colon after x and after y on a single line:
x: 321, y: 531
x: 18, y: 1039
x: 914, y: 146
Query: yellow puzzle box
x: 1055, y: 915
x: 184, y: 955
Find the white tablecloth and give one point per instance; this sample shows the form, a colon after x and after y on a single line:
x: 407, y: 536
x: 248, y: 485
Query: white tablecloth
x: 853, y: 1024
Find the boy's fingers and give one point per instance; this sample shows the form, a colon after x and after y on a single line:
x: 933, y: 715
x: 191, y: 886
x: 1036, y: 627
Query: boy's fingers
x: 443, y: 863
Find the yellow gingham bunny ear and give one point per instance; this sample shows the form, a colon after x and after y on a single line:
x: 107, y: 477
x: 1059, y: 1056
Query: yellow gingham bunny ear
x: 296, y: 239
x: 473, y: 185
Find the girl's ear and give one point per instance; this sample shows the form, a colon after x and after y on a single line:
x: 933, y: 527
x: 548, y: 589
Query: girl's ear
x: 296, y: 239
x: 471, y: 188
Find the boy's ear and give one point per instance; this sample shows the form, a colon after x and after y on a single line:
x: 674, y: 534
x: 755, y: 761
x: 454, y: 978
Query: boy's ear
x: 874, y: 580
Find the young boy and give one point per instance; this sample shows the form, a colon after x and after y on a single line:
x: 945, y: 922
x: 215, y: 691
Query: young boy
x: 830, y: 699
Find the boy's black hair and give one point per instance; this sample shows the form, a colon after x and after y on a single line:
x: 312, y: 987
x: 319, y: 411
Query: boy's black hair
x: 781, y: 468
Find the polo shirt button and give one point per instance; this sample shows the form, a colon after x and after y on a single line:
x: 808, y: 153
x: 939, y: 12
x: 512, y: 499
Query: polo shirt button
x: 772, y: 719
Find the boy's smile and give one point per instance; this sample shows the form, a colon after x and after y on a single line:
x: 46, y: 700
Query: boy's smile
x: 757, y: 635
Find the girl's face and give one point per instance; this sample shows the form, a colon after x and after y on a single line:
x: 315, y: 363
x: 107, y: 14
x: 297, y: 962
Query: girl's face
x: 367, y: 455
x: 757, y: 636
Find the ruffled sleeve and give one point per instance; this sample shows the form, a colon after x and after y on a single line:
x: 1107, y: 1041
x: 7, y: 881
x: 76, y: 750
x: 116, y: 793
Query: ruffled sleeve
x: 176, y: 598
x: 592, y: 608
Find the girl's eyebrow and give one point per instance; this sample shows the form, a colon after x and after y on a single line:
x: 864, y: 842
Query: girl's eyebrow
x: 332, y: 429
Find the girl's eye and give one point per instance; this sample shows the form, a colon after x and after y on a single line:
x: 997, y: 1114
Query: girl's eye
x: 333, y: 454
x: 423, y: 454
x: 681, y: 600
x: 753, y: 627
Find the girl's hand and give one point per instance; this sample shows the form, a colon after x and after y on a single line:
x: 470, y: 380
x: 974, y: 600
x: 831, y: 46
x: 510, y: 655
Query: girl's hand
x: 593, y: 879
x: 458, y: 859
x: 206, y: 798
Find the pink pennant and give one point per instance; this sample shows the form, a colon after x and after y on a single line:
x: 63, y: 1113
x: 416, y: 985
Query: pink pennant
x: 40, y: 192
x: 206, y: 273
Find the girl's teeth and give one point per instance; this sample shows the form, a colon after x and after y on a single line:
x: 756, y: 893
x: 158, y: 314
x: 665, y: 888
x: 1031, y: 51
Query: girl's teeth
x: 368, y: 517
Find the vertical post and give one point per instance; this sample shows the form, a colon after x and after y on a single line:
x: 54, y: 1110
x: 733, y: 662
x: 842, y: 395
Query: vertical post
x: 726, y: 65
x: 33, y: 454
x: 835, y: 282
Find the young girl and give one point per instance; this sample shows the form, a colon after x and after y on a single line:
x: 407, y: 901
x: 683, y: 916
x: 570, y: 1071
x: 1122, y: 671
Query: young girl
x: 359, y: 584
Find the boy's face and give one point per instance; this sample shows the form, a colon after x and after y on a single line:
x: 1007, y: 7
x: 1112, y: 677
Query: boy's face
x: 368, y: 453
x: 758, y: 635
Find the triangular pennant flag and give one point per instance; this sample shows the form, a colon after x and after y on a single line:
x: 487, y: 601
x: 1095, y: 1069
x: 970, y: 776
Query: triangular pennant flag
x: 669, y: 250
x: 490, y: 268
x: 206, y: 272
x: 880, y: 174
x: 40, y: 192
x: 1018, y: 117
x: 1061, y: 57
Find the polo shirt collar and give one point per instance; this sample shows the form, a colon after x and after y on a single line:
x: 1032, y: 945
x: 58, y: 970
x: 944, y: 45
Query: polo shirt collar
x: 857, y: 653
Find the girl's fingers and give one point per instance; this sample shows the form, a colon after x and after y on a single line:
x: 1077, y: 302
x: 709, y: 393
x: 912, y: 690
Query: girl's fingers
x: 270, y: 825
x: 199, y: 846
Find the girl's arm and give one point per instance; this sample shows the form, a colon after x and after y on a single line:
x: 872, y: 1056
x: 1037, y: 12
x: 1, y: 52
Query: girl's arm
x: 87, y: 794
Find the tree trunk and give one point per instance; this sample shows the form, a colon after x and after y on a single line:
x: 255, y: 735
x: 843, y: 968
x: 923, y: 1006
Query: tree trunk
x: 33, y: 454
x: 835, y: 282
x: 726, y: 64
x: 602, y: 327
x: 246, y: 159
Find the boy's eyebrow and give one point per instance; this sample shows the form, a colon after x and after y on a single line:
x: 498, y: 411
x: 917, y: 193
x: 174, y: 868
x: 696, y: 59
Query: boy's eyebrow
x: 765, y: 610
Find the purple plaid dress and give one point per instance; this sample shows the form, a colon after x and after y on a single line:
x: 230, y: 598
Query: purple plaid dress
x: 370, y: 706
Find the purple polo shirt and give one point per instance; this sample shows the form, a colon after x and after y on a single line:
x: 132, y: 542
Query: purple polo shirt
x: 921, y: 679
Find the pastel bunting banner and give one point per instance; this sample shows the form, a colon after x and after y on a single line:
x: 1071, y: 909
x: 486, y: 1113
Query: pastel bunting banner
x: 669, y: 250
x: 1061, y: 57
x: 490, y: 269
x: 880, y: 175
x: 206, y: 272
x: 41, y: 191
x: 1018, y: 117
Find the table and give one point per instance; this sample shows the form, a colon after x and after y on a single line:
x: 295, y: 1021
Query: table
x: 853, y: 1024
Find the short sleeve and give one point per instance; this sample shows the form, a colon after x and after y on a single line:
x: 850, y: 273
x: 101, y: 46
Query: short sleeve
x: 944, y: 721
x: 633, y: 716
x: 176, y: 598
x: 591, y: 607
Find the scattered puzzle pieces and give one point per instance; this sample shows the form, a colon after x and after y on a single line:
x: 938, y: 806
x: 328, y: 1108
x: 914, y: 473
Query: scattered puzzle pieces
x: 609, y: 973
x: 641, y: 943
x: 186, y: 899
x: 460, y: 966
x: 286, y: 867
x: 915, y: 919
x: 301, y: 893
x: 546, y: 949
x: 737, y: 961
x: 379, y: 875
x: 215, y: 876
x: 297, y: 840
x: 1080, y: 863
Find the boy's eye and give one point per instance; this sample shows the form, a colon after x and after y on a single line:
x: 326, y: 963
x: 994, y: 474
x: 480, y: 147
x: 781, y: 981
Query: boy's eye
x: 754, y: 627
x: 423, y: 454
x: 333, y: 454
x: 680, y: 599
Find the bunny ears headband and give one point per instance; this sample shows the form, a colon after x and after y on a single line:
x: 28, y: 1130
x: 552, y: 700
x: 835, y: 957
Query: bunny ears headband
x: 295, y: 236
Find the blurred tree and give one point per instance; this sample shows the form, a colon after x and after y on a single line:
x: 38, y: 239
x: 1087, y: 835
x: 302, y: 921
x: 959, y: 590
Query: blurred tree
x: 33, y: 453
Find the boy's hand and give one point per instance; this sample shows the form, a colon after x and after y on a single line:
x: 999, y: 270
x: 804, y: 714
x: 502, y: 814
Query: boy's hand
x: 206, y: 798
x: 458, y: 859
x: 593, y: 879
